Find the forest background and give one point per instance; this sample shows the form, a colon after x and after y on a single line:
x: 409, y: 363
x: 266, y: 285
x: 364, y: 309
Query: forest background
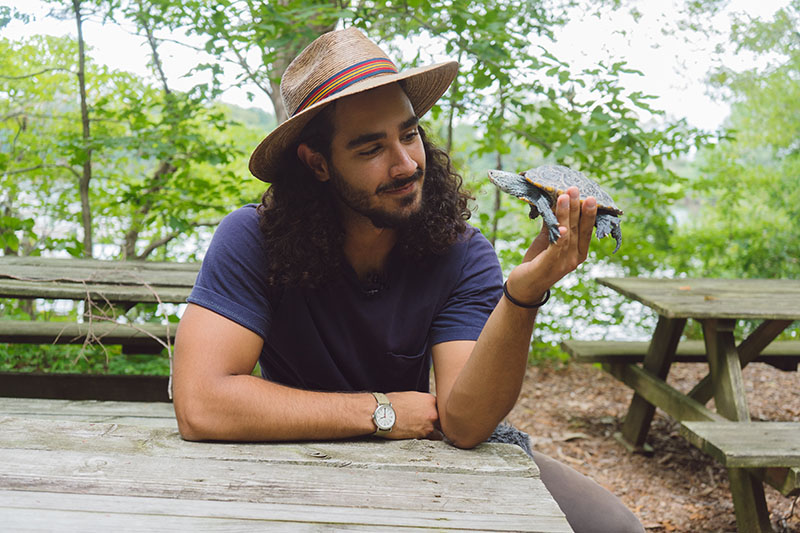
x: 97, y: 161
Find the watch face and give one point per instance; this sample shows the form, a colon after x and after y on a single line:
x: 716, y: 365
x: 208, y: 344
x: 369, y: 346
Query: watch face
x: 384, y: 417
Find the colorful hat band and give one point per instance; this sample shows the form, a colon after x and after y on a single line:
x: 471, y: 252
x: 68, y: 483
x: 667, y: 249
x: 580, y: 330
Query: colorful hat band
x: 347, y: 77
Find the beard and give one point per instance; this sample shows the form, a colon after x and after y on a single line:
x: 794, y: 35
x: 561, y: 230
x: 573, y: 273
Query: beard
x: 360, y: 201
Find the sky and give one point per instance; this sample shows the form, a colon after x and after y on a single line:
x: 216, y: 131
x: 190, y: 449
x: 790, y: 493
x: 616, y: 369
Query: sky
x: 674, y: 69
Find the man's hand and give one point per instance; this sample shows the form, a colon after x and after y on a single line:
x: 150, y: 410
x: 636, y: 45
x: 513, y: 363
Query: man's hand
x: 545, y: 263
x: 417, y: 416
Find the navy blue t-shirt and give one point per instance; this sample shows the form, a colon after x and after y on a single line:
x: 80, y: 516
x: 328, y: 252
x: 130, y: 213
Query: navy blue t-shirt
x: 343, y: 337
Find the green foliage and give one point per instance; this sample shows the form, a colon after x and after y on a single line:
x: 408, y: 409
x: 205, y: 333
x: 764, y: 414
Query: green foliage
x: 745, y: 203
x: 747, y: 199
x: 165, y: 163
x: 76, y: 359
x: 168, y: 164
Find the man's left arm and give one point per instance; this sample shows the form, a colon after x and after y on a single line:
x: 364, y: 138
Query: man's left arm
x: 478, y: 382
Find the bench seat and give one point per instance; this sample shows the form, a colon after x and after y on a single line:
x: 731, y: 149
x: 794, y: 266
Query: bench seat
x: 769, y: 447
x: 784, y: 355
x: 138, y: 338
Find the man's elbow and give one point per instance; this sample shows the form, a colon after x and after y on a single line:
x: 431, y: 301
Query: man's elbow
x: 192, y: 418
x: 465, y: 443
x: 464, y: 435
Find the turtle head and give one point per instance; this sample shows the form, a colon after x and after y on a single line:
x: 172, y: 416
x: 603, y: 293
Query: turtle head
x: 510, y: 182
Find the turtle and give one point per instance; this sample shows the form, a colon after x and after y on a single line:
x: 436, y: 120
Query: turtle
x: 541, y: 187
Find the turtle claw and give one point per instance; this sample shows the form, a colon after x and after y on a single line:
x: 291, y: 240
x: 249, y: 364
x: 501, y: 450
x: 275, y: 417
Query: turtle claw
x: 609, y: 224
x: 553, y: 233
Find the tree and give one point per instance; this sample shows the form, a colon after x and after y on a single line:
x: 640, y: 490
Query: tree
x: 749, y: 203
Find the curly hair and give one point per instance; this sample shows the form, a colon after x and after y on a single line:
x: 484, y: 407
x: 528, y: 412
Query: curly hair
x: 302, y: 229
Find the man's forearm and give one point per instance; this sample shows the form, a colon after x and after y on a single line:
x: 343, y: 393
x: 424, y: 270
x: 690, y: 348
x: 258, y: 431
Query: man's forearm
x: 489, y: 384
x: 248, y: 408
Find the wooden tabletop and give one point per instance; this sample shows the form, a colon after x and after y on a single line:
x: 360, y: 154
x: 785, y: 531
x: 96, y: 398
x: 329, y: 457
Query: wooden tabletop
x: 91, y: 466
x: 714, y: 298
x: 115, y: 281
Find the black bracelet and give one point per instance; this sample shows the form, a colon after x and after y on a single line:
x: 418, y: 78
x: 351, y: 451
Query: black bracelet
x: 525, y: 306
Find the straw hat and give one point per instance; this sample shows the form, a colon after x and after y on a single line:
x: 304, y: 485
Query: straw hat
x: 337, y: 64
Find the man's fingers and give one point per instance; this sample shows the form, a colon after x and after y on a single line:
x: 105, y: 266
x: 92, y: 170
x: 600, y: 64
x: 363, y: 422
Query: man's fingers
x: 574, y: 210
x: 588, y: 216
x: 563, y: 216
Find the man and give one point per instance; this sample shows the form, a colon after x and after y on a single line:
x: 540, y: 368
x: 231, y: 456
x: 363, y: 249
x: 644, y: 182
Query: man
x: 357, y: 272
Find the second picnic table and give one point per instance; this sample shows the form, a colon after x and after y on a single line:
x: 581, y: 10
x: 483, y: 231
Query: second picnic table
x: 752, y: 451
x: 108, y: 289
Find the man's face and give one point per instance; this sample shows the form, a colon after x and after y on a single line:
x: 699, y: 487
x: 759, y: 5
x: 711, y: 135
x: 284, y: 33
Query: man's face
x: 377, y: 164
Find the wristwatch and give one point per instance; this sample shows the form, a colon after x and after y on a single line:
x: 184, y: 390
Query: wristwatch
x: 384, y: 415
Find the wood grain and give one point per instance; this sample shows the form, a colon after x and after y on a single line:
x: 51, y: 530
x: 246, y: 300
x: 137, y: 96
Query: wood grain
x: 70, y: 463
x: 747, y: 444
x: 713, y: 298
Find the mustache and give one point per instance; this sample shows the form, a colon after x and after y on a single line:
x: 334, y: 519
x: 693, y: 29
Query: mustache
x: 400, y: 182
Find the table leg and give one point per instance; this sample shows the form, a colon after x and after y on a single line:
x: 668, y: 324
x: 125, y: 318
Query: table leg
x: 657, y: 361
x: 726, y: 369
x: 749, y: 502
x: 749, y: 350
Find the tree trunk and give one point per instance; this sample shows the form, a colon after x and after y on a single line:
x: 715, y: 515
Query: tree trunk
x: 86, y: 177
x: 286, y: 55
x: 496, y: 210
x: 499, y: 166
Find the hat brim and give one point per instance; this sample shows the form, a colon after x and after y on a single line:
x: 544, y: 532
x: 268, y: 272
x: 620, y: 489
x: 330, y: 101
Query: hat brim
x: 423, y: 86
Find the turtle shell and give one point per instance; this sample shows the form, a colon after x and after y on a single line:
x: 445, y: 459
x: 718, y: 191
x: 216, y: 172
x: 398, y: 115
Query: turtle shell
x: 554, y: 180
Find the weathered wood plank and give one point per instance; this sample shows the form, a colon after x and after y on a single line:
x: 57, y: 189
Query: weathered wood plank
x: 106, y: 474
x: 75, y: 512
x: 784, y: 355
x: 747, y: 444
x: 750, y: 350
x: 164, y: 442
x: 726, y: 369
x: 749, y: 502
x: 784, y: 480
x: 85, y: 411
x: 657, y: 361
x: 714, y: 298
x: 9, y: 261
x: 38, y: 332
x: 267, y: 482
x: 10, y: 288
x: 121, y: 273
x: 657, y: 392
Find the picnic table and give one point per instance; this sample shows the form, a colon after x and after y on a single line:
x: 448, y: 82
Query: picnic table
x: 118, y: 466
x: 753, y: 451
x: 108, y: 289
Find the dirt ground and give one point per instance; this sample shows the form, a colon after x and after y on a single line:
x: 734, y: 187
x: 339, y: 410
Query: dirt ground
x: 572, y: 413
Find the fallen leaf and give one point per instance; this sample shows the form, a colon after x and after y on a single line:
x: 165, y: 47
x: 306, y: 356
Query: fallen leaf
x: 566, y: 437
x: 684, y: 288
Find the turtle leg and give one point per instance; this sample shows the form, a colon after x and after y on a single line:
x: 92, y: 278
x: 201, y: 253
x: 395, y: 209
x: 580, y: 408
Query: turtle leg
x: 542, y: 202
x: 616, y: 232
x: 607, y: 223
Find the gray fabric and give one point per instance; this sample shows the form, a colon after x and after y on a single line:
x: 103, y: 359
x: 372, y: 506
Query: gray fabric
x: 589, y: 508
x: 507, y: 434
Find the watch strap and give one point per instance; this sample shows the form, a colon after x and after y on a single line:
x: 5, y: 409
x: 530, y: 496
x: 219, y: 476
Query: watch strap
x: 382, y: 399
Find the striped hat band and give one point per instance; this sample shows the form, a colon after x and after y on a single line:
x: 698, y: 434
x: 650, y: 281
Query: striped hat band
x: 345, y: 78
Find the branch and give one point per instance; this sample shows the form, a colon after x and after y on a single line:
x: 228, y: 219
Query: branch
x: 61, y: 69
x: 538, y: 141
x: 151, y: 40
x: 175, y: 234
x: 43, y: 165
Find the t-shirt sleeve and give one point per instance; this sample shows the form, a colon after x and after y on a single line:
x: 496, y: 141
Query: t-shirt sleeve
x: 231, y: 281
x: 474, y: 296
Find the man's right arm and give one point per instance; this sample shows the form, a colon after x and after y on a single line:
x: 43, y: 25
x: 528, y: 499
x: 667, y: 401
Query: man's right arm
x: 217, y: 398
